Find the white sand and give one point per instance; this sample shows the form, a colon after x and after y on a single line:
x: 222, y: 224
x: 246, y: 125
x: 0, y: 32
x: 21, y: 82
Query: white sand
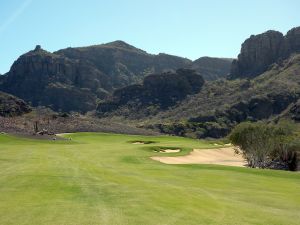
x: 220, y: 156
x: 138, y: 143
x: 169, y: 150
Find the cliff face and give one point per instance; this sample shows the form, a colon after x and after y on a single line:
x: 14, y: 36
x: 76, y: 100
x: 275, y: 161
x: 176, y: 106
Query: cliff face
x: 43, y: 78
x: 260, y: 51
x: 291, y: 42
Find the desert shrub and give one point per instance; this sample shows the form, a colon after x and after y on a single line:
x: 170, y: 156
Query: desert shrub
x: 255, y: 141
x: 287, y: 148
x: 267, y: 145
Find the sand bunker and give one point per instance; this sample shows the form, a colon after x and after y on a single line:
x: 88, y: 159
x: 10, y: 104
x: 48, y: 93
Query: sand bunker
x: 221, y: 156
x: 62, y: 134
x: 169, y: 150
x: 138, y: 143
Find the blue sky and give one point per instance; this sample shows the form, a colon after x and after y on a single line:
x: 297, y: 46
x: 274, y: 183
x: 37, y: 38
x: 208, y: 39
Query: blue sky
x: 189, y: 28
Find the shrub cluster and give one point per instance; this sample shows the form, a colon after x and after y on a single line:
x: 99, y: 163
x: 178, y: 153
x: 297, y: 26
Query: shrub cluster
x: 265, y: 145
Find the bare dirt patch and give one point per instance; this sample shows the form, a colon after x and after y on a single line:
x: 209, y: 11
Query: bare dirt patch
x: 220, y: 156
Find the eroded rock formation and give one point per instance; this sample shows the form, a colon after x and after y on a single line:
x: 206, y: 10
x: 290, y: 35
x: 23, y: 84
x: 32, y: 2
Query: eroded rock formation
x: 260, y: 51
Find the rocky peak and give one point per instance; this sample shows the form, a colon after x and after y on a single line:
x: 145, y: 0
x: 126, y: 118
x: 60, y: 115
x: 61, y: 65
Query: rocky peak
x: 119, y: 43
x: 258, y: 52
x: 37, y: 48
x: 293, y: 39
x: 122, y: 45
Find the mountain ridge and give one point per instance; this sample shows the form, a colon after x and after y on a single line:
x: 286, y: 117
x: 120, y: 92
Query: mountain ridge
x: 76, y: 79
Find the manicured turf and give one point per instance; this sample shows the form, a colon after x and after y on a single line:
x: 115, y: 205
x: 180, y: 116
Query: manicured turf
x: 105, y: 179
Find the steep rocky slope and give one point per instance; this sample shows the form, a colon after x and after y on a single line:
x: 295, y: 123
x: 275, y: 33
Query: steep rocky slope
x: 43, y: 78
x: 124, y: 64
x: 260, y: 51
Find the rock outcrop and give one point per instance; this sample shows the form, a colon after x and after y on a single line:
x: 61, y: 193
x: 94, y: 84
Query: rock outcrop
x: 258, y: 108
x: 47, y: 79
x: 260, y: 51
x: 292, y: 40
x: 158, y: 90
x: 257, y: 53
x: 12, y: 106
x: 255, y: 109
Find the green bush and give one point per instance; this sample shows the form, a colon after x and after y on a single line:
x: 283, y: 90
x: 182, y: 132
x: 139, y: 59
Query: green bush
x: 267, y: 145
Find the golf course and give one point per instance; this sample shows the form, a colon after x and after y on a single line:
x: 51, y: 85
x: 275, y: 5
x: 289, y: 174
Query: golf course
x: 110, y: 179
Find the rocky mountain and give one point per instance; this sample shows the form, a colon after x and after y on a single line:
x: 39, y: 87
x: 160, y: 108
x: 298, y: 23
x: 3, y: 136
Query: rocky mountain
x: 115, y: 76
x: 76, y: 79
x: 12, y: 106
x: 43, y: 78
x: 260, y: 51
x: 123, y: 63
x: 219, y: 105
x: 158, y: 91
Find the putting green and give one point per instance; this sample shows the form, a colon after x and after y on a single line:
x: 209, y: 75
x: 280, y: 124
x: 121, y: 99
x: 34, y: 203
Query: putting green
x: 106, y: 179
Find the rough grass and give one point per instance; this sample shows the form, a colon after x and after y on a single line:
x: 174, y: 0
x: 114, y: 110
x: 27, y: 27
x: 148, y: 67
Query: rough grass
x: 104, y: 179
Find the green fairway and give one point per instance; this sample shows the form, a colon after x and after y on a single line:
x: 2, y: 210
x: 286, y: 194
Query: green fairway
x: 106, y: 179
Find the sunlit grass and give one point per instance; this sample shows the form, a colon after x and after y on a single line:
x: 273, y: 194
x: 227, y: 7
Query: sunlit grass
x: 105, y: 179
